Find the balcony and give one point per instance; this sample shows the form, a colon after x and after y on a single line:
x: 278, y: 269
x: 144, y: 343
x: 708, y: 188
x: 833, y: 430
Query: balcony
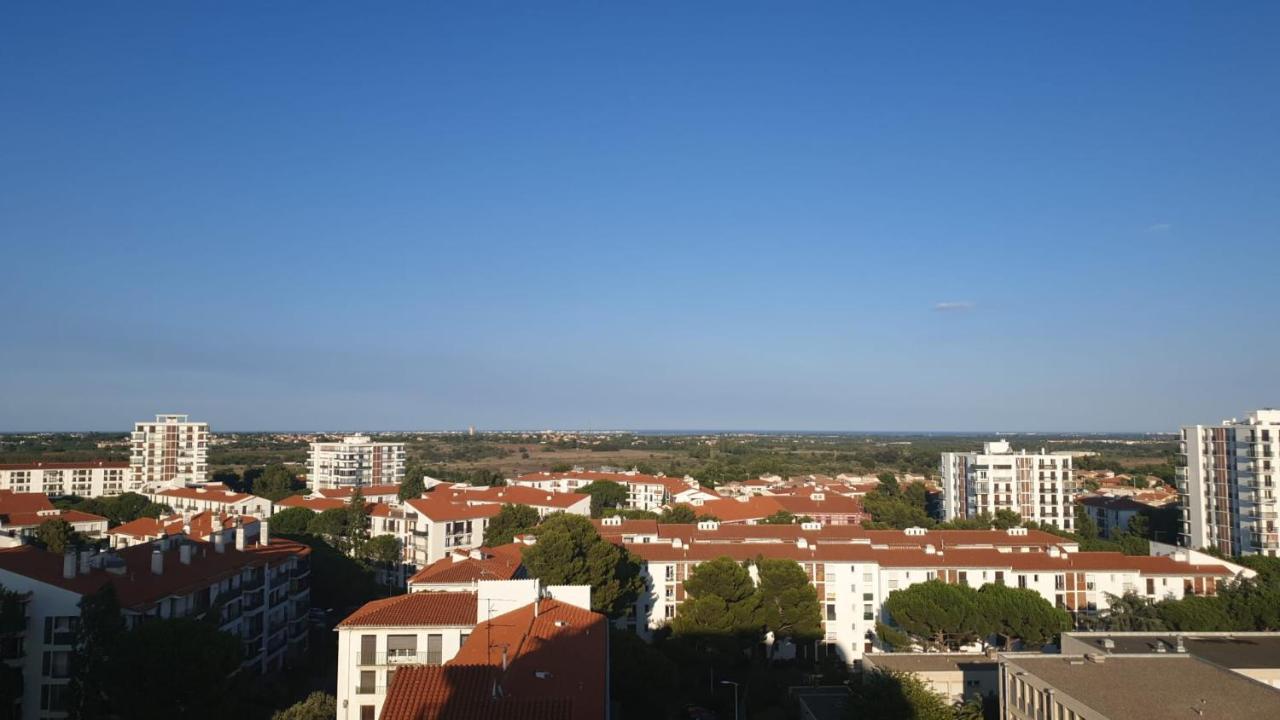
x: 400, y: 657
x: 371, y: 689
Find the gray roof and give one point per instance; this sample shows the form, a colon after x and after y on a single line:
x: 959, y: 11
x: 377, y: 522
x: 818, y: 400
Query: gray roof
x: 1230, y: 650
x: 1156, y: 687
x: 931, y: 662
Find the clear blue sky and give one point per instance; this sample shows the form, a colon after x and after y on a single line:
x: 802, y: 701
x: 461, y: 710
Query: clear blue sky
x: 786, y: 215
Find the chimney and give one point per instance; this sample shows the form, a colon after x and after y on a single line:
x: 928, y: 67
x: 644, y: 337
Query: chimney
x: 184, y: 554
x: 157, y: 562
x: 220, y: 541
x: 69, y: 564
x: 84, y: 561
x: 264, y: 533
x: 240, y: 537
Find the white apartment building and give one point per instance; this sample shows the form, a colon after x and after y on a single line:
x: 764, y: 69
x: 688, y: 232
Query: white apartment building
x: 96, y: 478
x: 260, y: 594
x: 1037, y: 486
x: 436, y: 526
x: 1227, y: 485
x: 854, y: 570
x: 644, y: 492
x: 356, y: 460
x: 425, y: 628
x: 170, y: 451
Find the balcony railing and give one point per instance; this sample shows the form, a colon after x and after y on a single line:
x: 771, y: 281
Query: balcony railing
x: 400, y: 657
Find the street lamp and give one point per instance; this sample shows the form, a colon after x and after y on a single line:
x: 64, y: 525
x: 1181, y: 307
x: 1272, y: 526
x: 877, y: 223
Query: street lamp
x: 735, y: 696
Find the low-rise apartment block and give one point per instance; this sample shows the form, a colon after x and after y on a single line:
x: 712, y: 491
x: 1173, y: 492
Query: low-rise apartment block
x: 1227, y: 485
x: 259, y: 592
x: 96, y: 478
x: 21, y: 514
x: 170, y: 451
x: 212, y: 497
x: 355, y: 460
x: 1037, y: 486
x: 854, y: 570
x: 644, y: 492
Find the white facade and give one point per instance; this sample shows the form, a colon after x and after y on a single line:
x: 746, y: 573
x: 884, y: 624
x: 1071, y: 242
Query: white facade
x: 1227, y: 487
x: 170, y: 451
x: 357, y: 460
x: 96, y: 478
x: 1037, y: 486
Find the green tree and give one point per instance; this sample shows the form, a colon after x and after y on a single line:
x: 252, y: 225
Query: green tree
x: 1020, y: 613
x: 383, y: 550
x: 276, y: 483
x: 317, y: 706
x: 357, y: 523
x: 331, y: 524
x: 98, y: 640
x: 1131, y: 612
x: 936, y: 613
x: 788, y: 602
x: 412, y: 486
x: 880, y: 695
x: 569, y: 551
x: 678, y: 515
x: 1086, y: 528
x: 642, y: 679
x: 1195, y: 613
x: 785, y: 517
x: 56, y: 535
x: 292, y: 521
x: 510, y: 521
x: 722, y: 601
x: 1005, y: 519
x: 167, y: 668
x: 605, y: 494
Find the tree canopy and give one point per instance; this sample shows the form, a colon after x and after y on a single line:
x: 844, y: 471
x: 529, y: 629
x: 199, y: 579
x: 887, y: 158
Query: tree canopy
x: 292, y: 521
x: 316, y: 706
x: 276, y: 483
x: 679, y: 515
x: 721, y: 601
x: 510, y: 521
x: 944, y: 615
x: 56, y: 535
x: 605, y: 494
x: 788, y: 602
x: 569, y: 551
x: 880, y: 695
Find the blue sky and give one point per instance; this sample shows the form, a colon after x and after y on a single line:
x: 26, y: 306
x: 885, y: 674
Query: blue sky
x: 845, y: 216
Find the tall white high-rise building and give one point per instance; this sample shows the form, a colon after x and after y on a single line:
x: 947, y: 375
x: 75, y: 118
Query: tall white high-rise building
x: 1227, y: 485
x: 169, y: 451
x: 1037, y: 486
x: 357, y: 460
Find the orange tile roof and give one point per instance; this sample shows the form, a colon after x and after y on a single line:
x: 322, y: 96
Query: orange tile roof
x: 754, y: 507
x: 32, y: 509
x: 513, y: 495
x: 439, y: 507
x: 499, y: 563
x: 830, y: 504
x: 55, y: 465
x: 345, y: 493
x: 414, y: 609
x: 313, y: 504
x: 672, y: 484
x: 137, y: 587
x: 213, y: 492
x: 202, y: 525
x: 463, y: 692
x: 627, y: 527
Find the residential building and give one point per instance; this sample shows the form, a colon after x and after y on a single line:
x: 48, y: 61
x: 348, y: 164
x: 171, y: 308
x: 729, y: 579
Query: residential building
x: 854, y: 570
x: 260, y: 593
x: 96, y: 478
x: 510, y: 619
x: 1128, y: 687
x: 212, y: 497
x: 462, y: 570
x: 437, y: 525
x: 170, y: 451
x: 1252, y: 654
x: 547, y: 659
x: 545, y: 502
x: 371, y: 493
x: 197, y: 526
x: 956, y: 676
x: 644, y: 492
x: 1037, y: 486
x: 21, y: 514
x: 1111, y: 514
x: 355, y: 460
x: 1227, y: 485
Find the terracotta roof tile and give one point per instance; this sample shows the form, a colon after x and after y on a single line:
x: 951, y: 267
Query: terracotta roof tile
x: 500, y: 563
x: 426, y: 608
x: 463, y: 692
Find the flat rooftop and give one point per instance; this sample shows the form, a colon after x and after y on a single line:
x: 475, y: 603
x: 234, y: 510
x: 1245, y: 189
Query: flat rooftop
x: 1230, y: 650
x: 1161, y: 687
x: 932, y: 662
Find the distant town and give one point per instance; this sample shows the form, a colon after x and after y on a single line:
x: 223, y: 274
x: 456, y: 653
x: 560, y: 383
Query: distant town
x: 589, y: 575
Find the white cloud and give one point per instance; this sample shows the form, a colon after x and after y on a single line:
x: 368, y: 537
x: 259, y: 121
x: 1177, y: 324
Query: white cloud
x: 1159, y: 228
x: 954, y: 306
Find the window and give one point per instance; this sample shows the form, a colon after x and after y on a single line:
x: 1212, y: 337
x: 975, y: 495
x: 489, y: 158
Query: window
x: 1022, y: 581
x: 462, y: 639
x: 669, y: 612
x: 53, y: 698
x: 368, y: 649
x: 366, y: 712
x: 867, y: 597
x: 435, y: 649
x: 831, y: 611
x: 368, y: 681
x: 402, y: 647
x: 868, y: 613
x: 57, y: 664
x: 671, y: 573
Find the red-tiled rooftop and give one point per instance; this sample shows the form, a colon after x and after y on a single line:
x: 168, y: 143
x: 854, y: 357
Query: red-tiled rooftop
x: 672, y: 484
x: 425, y: 608
x: 556, y: 664
x: 315, y: 504
x: 463, y: 692
x: 440, y: 507
x: 215, y: 493
x: 57, y: 465
x: 499, y: 563
x: 31, y: 509
x: 512, y: 495
x: 137, y: 587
